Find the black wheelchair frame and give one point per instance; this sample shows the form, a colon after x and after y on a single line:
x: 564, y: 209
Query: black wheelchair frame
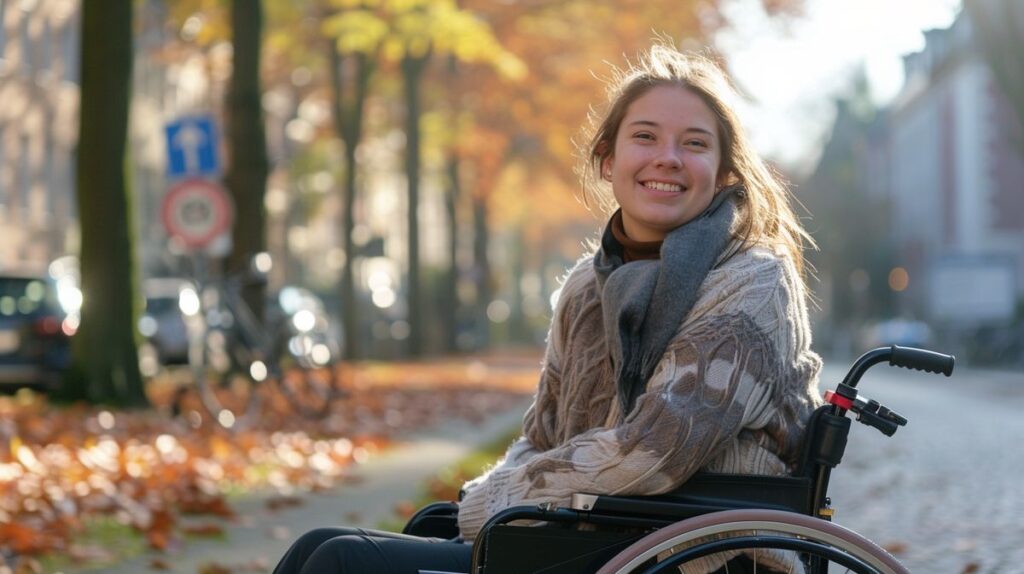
x: 564, y: 546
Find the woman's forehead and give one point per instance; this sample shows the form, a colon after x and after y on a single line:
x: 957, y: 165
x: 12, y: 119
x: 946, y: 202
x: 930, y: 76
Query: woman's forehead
x: 673, y: 107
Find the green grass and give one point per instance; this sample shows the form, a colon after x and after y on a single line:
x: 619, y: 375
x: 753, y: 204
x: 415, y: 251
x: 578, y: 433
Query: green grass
x: 116, y: 539
x: 446, y: 483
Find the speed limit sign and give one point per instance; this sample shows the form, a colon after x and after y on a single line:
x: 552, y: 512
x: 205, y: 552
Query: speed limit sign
x: 196, y: 211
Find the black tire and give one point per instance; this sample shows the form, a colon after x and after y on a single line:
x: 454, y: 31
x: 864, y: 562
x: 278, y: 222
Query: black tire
x: 717, y: 537
x: 309, y: 388
x: 223, y: 372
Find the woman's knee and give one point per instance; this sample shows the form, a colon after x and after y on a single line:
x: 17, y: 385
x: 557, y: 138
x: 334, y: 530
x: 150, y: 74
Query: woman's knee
x: 304, y: 547
x: 314, y: 538
x: 343, y: 554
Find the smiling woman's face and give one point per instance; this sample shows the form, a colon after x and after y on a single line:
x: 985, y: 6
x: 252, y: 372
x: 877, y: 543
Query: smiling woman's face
x: 665, y: 165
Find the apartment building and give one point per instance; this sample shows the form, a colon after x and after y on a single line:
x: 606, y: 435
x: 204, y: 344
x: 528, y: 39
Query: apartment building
x: 39, y: 46
x: 956, y: 181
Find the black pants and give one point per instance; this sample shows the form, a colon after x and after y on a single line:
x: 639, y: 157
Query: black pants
x: 358, y: 551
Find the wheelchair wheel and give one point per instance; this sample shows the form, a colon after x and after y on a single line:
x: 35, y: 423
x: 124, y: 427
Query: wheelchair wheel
x: 710, y: 540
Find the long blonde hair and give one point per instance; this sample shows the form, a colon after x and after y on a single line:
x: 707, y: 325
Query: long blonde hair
x: 766, y: 215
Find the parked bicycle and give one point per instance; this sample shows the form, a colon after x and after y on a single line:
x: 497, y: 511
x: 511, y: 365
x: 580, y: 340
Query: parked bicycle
x: 235, y: 357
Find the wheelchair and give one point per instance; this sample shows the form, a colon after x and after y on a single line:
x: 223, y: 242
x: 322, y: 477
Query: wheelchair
x: 714, y: 519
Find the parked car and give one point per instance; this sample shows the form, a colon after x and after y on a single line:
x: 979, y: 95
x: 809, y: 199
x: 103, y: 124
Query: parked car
x: 35, y: 330
x: 898, y: 331
x: 163, y: 322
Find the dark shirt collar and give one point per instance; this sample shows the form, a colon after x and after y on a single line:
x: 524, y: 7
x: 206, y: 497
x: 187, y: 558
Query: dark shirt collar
x: 633, y: 250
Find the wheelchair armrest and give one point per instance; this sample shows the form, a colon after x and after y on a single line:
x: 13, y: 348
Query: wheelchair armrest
x: 435, y: 520
x: 709, y: 492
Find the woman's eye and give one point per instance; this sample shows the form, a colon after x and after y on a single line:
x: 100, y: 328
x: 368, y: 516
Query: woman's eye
x: 644, y: 136
x: 698, y: 143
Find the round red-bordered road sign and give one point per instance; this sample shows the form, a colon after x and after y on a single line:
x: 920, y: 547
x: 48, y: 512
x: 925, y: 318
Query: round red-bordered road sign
x: 196, y: 211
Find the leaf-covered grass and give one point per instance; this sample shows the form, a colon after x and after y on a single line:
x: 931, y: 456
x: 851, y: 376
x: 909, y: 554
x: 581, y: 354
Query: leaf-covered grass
x: 96, y: 483
x: 103, y: 540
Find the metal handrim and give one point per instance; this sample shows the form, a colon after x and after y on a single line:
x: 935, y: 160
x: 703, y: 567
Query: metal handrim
x: 734, y: 521
x: 751, y: 542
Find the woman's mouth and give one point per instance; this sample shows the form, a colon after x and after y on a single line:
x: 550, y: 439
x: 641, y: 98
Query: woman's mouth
x: 663, y: 187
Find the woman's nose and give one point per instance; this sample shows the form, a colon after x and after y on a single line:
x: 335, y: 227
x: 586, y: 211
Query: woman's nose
x: 669, y: 157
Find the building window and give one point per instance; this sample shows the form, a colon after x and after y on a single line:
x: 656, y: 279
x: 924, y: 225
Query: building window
x: 26, y: 41
x: 4, y: 200
x: 71, y: 179
x: 3, y: 28
x: 70, y: 50
x: 49, y: 177
x: 24, y: 175
x: 46, y: 46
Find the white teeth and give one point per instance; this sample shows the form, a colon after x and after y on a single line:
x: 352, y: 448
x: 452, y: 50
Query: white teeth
x: 663, y: 186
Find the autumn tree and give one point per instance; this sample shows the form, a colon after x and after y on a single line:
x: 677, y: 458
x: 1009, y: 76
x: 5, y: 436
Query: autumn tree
x: 429, y: 28
x: 105, y: 365
x: 410, y: 34
x: 354, y: 36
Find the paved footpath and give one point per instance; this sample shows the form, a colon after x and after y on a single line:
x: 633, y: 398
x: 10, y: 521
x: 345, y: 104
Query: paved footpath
x: 259, y: 537
x: 944, y: 493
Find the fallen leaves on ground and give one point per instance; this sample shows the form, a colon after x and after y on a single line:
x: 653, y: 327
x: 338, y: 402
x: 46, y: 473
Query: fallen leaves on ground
x: 60, y: 466
x: 895, y: 547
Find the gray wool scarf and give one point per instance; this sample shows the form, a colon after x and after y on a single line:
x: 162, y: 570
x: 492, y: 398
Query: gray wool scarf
x: 644, y: 302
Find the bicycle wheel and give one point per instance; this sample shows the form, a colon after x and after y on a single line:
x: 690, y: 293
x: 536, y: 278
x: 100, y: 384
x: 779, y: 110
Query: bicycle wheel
x: 227, y: 377
x: 308, y: 378
x: 777, y: 540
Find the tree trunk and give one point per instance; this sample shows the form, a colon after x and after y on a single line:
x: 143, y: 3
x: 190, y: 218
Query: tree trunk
x: 348, y: 124
x: 412, y: 73
x: 453, y: 306
x: 482, y: 266
x: 517, y: 329
x: 451, y: 287
x: 246, y: 177
x: 105, y: 365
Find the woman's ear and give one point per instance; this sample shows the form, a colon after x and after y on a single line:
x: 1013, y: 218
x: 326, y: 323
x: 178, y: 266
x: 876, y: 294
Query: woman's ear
x: 724, y: 180
x: 606, y: 168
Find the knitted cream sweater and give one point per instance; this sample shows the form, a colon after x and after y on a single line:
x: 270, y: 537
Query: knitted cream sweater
x: 732, y: 393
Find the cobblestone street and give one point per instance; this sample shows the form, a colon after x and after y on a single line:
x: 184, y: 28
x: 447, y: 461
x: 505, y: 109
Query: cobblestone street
x: 944, y: 494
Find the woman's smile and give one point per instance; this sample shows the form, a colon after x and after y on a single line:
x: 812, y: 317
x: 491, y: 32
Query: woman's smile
x: 663, y: 189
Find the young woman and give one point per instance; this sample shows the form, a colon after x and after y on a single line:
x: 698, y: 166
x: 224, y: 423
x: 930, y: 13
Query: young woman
x: 682, y: 344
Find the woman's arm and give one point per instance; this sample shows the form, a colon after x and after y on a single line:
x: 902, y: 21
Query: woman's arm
x: 539, y: 425
x: 727, y: 370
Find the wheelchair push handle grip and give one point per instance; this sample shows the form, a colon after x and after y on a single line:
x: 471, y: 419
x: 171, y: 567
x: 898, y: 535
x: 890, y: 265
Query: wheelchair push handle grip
x: 922, y: 360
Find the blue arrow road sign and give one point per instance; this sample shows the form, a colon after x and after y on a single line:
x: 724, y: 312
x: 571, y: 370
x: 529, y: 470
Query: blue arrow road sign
x: 191, y: 147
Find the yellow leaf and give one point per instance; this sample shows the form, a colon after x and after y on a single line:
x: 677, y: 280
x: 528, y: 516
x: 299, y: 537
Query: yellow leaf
x: 392, y: 49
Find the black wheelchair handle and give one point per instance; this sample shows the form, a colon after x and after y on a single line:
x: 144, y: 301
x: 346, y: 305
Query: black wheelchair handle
x: 922, y: 360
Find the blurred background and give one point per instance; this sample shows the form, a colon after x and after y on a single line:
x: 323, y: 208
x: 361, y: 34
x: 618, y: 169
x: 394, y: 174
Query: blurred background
x: 411, y: 163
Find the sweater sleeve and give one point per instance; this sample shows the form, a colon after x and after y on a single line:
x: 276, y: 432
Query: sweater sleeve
x: 539, y: 427
x: 716, y: 378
